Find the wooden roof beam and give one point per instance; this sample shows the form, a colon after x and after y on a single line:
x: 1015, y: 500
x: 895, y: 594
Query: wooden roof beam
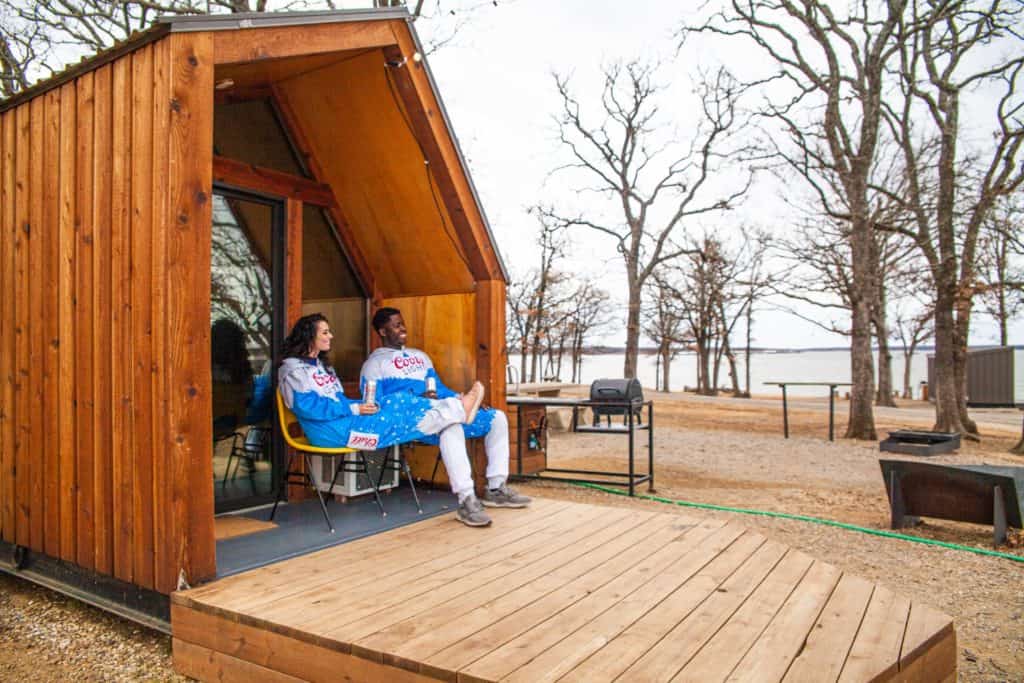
x: 242, y: 175
x: 251, y: 45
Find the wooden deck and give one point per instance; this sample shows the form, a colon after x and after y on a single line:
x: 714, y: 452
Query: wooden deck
x: 560, y: 591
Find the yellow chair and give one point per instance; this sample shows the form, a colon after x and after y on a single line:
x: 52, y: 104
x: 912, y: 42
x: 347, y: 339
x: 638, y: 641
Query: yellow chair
x: 296, y: 439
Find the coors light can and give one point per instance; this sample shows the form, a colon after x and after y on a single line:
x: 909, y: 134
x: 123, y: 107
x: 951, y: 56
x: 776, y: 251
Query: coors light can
x: 431, y: 385
x: 370, y: 392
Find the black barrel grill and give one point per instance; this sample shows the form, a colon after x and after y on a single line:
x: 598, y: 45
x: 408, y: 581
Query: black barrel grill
x: 616, y: 391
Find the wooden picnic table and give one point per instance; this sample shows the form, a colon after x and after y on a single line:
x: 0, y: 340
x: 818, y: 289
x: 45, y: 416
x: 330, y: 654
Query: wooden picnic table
x: 831, y: 402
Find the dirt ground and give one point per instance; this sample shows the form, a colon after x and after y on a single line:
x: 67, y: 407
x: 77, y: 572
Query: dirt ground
x: 720, y: 451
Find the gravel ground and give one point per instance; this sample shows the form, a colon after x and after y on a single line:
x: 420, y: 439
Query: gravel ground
x: 720, y: 451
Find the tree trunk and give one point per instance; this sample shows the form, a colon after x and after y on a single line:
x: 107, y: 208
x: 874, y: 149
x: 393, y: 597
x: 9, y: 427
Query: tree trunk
x: 704, y: 381
x: 908, y: 359
x: 961, y: 327
x: 632, y: 331
x: 947, y: 412
x: 862, y: 416
x: 665, y: 366
x: 884, y: 394
x: 746, y: 369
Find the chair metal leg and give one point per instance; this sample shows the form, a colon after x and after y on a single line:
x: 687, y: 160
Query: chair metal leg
x: 376, y: 486
x: 280, y: 488
x: 408, y: 475
x: 319, y: 493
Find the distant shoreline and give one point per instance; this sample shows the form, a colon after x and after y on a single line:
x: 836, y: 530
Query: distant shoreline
x: 651, y: 351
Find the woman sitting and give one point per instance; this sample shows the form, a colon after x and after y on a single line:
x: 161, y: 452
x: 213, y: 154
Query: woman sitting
x: 313, y: 392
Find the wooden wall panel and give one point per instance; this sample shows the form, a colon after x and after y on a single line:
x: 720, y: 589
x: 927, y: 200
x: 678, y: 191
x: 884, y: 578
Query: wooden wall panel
x: 190, y: 180
x: 103, y: 322
x: 22, y: 385
x: 142, y: 360
x: 122, y: 348
x: 445, y: 327
x: 104, y: 232
x: 492, y: 351
x: 49, y: 323
x: 65, y: 343
x: 166, y: 564
x: 37, y: 456
x: 8, y: 527
x: 80, y: 366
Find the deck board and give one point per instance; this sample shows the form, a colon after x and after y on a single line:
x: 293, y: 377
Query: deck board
x: 559, y: 591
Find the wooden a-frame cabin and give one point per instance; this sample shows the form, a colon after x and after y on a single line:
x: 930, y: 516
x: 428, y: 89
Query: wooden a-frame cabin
x: 238, y: 170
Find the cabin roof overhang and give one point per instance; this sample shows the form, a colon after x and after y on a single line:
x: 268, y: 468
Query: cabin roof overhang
x: 240, y: 23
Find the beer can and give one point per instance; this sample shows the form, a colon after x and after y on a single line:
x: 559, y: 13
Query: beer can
x: 370, y: 392
x: 431, y: 385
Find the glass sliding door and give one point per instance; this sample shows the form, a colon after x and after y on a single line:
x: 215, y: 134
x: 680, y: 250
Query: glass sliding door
x: 246, y: 319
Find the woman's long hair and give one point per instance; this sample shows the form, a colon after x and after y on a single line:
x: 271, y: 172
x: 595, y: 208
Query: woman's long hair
x: 298, y: 343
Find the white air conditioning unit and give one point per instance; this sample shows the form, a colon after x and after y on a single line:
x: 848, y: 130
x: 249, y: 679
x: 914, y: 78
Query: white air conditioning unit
x: 352, y: 483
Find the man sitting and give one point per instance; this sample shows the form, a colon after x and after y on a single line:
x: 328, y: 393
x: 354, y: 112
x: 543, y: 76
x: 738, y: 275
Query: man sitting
x: 396, y: 368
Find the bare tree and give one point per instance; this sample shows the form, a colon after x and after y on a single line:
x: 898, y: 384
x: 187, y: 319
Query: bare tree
x: 948, y: 49
x: 912, y: 325
x: 664, y: 320
x: 620, y: 155
x: 1000, y: 275
x: 588, y: 312
x: 826, y: 95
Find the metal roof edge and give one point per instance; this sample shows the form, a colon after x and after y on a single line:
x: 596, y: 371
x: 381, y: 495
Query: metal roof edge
x: 458, y: 151
x: 245, y: 20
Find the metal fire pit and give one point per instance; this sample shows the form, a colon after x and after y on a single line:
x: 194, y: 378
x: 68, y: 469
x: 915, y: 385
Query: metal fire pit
x: 618, y: 392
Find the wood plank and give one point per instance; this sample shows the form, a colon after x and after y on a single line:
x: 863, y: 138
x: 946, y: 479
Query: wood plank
x: 657, y: 645
x: 233, y: 47
x: 491, y: 351
x: 165, y: 561
x: 190, y: 430
x: 685, y: 560
x: 777, y: 646
x: 875, y: 653
x: 36, y: 325
x: 121, y: 328
x: 293, y: 309
x: 8, y: 327
x: 142, y: 359
x: 300, y: 140
x: 928, y: 652
x: 938, y: 662
x: 417, y: 574
x: 84, y: 314
x: 449, y: 662
x: 665, y: 601
x: 374, y: 635
x: 245, y: 176
x: 646, y: 651
x: 22, y: 329
x: 830, y: 639
x: 717, y: 658
x: 102, y: 322
x: 308, y: 659
x: 66, y: 344
x: 204, y: 664
x: 50, y: 326
x: 455, y: 649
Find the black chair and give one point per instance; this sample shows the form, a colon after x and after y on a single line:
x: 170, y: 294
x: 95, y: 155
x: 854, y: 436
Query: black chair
x: 246, y: 449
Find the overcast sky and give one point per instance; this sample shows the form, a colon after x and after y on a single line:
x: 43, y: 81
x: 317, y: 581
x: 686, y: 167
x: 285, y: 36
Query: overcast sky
x: 495, y: 79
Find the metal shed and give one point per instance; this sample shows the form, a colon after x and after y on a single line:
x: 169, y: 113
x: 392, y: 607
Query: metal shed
x: 995, y: 376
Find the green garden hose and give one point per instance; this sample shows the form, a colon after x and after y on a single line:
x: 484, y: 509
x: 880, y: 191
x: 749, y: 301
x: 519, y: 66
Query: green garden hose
x: 805, y: 518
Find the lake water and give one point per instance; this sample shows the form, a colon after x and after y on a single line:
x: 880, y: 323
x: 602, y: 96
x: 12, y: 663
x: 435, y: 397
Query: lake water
x: 789, y: 366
